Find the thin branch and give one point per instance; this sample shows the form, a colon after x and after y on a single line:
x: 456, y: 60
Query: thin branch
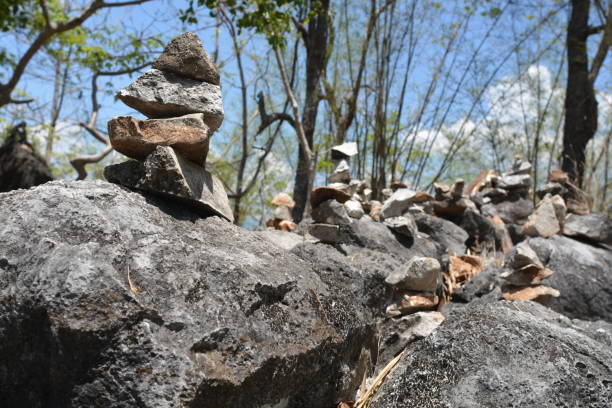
x: 45, y: 12
x: 80, y: 162
x: 602, y: 49
x: 20, y: 101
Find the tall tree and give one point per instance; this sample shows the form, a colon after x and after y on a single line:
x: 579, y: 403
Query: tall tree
x: 580, y: 102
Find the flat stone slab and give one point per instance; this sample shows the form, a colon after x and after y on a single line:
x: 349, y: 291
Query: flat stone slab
x: 185, y: 55
x: 136, y: 138
x: 159, y: 94
x: 169, y: 174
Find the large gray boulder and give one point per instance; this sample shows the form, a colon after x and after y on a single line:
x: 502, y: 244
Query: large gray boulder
x: 113, y: 298
x: 583, y: 275
x: 159, y: 94
x: 167, y: 173
x: 595, y: 227
x: 502, y: 354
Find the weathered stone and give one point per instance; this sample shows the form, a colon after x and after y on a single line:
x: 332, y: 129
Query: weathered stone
x: 185, y: 55
x: 403, y: 224
x: 396, y: 185
x: 135, y: 138
x: 576, y: 200
x: 282, y: 213
x: 320, y: 194
x: 420, y: 274
x: 479, y: 285
x: 531, y: 274
x: 596, y: 227
x: 167, y: 173
x: 447, y: 234
x: 327, y: 233
x: 551, y: 188
x: 159, y: 94
x: 346, y: 188
x: 344, y: 150
x: 442, y: 191
x: 560, y: 209
x: 543, y: 222
x: 398, y: 203
x: 582, y: 275
x: 281, y: 239
x: 330, y: 212
x: 482, y: 181
x: 457, y: 189
x: 341, y: 173
x: 284, y: 200
x: 398, y: 333
x: 422, y: 197
x: 354, y: 209
x: 493, y: 355
x: 540, y: 293
x: 516, y: 211
x: 520, y: 256
x: 287, y: 226
x: 502, y: 234
x: 387, y: 192
x: 480, y: 229
x: 515, y: 181
x: 121, y: 299
x: 452, y: 208
x: 519, y: 167
x: 412, y: 303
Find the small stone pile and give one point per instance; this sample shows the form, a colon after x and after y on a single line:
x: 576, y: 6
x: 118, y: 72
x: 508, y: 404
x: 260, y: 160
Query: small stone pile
x: 181, y: 97
x: 523, y: 279
x: 416, y: 286
x: 281, y: 216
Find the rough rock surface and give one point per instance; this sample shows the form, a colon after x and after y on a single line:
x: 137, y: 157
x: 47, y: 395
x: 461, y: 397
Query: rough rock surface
x: 596, y: 227
x: 136, y: 138
x: 543, y: 222
x: 331, y: 212
x: 444, y: 232
x: 159, y: 94
x: 583, y: 275
x: 398, y: 203
x: 185, y: 55
x: 514, y: 211
x: 116, y: 298
x: 493, y: 355
x: 421, y: 274
x: 167, y: 173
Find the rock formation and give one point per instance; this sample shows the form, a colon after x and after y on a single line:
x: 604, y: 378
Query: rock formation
x: 182, y: 93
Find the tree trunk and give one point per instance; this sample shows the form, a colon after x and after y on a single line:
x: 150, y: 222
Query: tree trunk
x: 315, y: 39
x: 580, y: 103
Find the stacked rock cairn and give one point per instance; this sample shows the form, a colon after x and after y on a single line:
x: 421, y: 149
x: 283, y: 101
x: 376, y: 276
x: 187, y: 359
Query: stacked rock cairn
x: 281, y: 216
x: 336, y: 204
x: 181, y: 97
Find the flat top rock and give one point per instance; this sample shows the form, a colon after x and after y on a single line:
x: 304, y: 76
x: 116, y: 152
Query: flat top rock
x: 159, y: 94
x: 185, y: 55
x: 344, y: 150
x: 324, y: 193
x: 123, y: 299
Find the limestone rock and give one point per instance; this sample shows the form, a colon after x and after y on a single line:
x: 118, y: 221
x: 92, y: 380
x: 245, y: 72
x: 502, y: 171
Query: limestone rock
x: 519, y: 167
x: 515, y: 211
x: 341, y: 173
x: 376, y: 210
x: 281, y: 239
x: 124, y: 299
x: 282, y: 213
x: 420, y: 274
x: 327, y: 233
x: 344, y: 150
x: 552, y: 189
x: 522, y: 255
x: 135, y: 138
x: 354, y: 209
x: 398, y: 203
x: 596, y: 227
x: 493, y: 355
x: 284, y: 200
x: 320, y: 194
x: 185, y: 55
x: 531, y: 274
x: 330, y: 212
x: 543, y: 222
x: 446, y: 233
x: 167, y: 173
x: 159, y: 94
x: 514, y: 181
x: 412, y: 303
x: 404, y: 224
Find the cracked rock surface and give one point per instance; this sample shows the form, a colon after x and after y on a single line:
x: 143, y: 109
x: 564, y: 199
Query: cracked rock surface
x: 115, y: 298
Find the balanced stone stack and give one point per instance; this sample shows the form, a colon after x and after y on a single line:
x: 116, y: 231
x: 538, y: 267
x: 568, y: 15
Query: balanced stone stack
x: 181, y: 97
x: 416, y: 286
x: 281, y: 216
x: 523, y: 279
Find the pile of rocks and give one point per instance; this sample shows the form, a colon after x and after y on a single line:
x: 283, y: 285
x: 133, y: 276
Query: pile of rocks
x: 182, y: 97
x: 416, y: 286
x: 281, y: 216
x: 523, y: 279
